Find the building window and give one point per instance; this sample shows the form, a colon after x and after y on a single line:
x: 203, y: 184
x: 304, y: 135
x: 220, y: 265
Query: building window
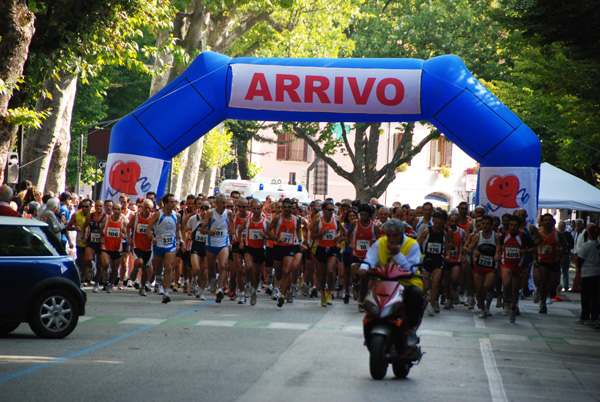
x: 440, y: 153
x: 397, y: 140
x: 290, y: 148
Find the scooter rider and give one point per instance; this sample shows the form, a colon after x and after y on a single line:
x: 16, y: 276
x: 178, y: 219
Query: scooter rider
x: 405, y: 252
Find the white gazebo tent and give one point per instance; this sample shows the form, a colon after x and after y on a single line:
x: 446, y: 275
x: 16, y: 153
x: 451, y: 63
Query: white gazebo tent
x: 561, y: 190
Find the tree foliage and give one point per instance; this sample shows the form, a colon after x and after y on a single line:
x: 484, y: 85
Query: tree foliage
x: 553, y: 80
x: 405, y: 29
x: 216, y: 151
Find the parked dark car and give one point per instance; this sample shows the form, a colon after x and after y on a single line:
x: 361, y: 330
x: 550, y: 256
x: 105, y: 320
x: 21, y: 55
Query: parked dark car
x: 39, y: 282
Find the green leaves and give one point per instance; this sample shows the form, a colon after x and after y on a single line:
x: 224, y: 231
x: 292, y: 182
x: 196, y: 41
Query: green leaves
x: 25, y: 117
x: 216, y: 150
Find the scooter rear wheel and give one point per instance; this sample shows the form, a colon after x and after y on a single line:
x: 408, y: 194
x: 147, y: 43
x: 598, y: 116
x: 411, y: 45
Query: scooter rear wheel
x: 401, y: 368
x: 377, y: 362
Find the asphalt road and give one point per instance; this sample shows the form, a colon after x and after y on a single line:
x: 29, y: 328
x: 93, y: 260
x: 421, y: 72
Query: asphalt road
x: 133, y: 348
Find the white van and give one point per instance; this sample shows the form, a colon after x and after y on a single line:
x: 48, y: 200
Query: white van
x: 243, y: 186
x: 261, y: 188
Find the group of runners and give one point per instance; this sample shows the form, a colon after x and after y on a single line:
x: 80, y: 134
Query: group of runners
x: 235, y: 247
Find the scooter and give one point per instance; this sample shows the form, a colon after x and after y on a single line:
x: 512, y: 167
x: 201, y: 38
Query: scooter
x: 383, y: 325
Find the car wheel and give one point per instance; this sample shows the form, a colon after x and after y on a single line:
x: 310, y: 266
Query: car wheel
x: 8, y: 327
x: 54, y: 314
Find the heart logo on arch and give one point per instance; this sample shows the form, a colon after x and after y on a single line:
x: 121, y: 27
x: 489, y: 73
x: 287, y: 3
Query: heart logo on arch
x: 502, y: 191
x: 123, y: 176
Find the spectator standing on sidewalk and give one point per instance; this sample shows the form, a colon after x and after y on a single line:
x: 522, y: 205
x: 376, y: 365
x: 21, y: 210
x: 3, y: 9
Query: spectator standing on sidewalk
x: 589, y: 264
x: 6, y: 194
x: 580, y: 236
x: 565, y: 262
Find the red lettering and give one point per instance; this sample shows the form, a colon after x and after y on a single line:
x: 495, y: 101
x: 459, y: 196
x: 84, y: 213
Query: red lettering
x: 361, y: 99
x: 338, y: 95
x: 310, y: 89
x: 253, y: 91
x: 381, y: 91
x: 287, y: 83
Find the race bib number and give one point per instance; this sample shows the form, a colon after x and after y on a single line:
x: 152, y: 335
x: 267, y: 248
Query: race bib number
x: 363, y: 245
x: 219, y: 232
x: 95, y: 237
x: 244, y: 235
x: 546, y: 250
x: 486, y: 261
x: 167, y: 239
x: 255, y: 234
x: 141, y: 228
x: 434, y: 248
x: 287, y: 238
x: 513, y: 253
x: 113, y: 232
x: 200, y: 237
x: 329, y: 235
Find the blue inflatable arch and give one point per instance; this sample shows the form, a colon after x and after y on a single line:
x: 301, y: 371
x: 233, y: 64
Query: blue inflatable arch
x: 215, y: 87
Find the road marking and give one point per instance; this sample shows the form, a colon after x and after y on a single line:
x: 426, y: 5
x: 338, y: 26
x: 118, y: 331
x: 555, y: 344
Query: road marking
x: 509, y: 337
x: 479, y: 323
x: 355, y: 329
x: 216, y: 323
x: 99, y: 345
x: 288, y: 325
x: 491, y: 370
x: 73, y: 355
x: 435, y: 332
x: 143, y: 321
x: 583, y: 342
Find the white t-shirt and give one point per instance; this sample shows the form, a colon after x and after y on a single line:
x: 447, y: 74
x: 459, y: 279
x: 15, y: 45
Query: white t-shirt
x: 590, y: 253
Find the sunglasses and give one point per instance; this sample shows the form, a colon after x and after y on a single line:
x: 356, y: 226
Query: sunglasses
x: 86, y: 206
x: 230, y: 206
x: 204, y: 208
x: 330, y: 210
x: 242, y: 206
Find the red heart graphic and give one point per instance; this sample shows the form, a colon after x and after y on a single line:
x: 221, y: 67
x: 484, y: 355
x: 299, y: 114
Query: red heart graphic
x: 502, y: 191
x: 123, y: 176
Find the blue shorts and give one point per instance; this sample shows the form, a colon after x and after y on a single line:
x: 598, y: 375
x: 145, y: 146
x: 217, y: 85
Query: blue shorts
x: 161, y: 251
x: 215, y: 250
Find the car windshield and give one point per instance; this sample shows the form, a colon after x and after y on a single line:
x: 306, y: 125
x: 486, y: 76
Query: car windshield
x: 29, y: 241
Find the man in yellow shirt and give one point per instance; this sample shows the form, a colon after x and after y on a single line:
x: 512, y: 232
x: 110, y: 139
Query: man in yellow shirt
x: 405, y: 252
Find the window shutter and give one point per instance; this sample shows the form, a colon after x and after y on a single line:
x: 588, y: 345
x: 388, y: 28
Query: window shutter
x: 448, y: 153
x: 305, y: 151
x: 432, y: 152
x: 281, y: 156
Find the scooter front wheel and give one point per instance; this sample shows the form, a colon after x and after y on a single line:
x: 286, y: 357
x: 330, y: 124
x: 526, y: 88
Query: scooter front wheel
x: 377, y: 362
x: 401, y: 368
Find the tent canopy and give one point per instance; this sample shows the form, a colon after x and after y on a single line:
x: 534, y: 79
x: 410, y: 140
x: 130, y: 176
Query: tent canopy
x: 561, y: 190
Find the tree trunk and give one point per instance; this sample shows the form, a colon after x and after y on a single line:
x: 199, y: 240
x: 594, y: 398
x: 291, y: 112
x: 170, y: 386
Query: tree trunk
x: 200, y: 183
x: 16, y: 31
x: 192, y: 167
x: 209, y: 181
x: 368, y: 182
x: 39, y: 144
x: 178, y: 177
x: 242, y: 158
x: 57, y: 176
x: 163, y: 59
